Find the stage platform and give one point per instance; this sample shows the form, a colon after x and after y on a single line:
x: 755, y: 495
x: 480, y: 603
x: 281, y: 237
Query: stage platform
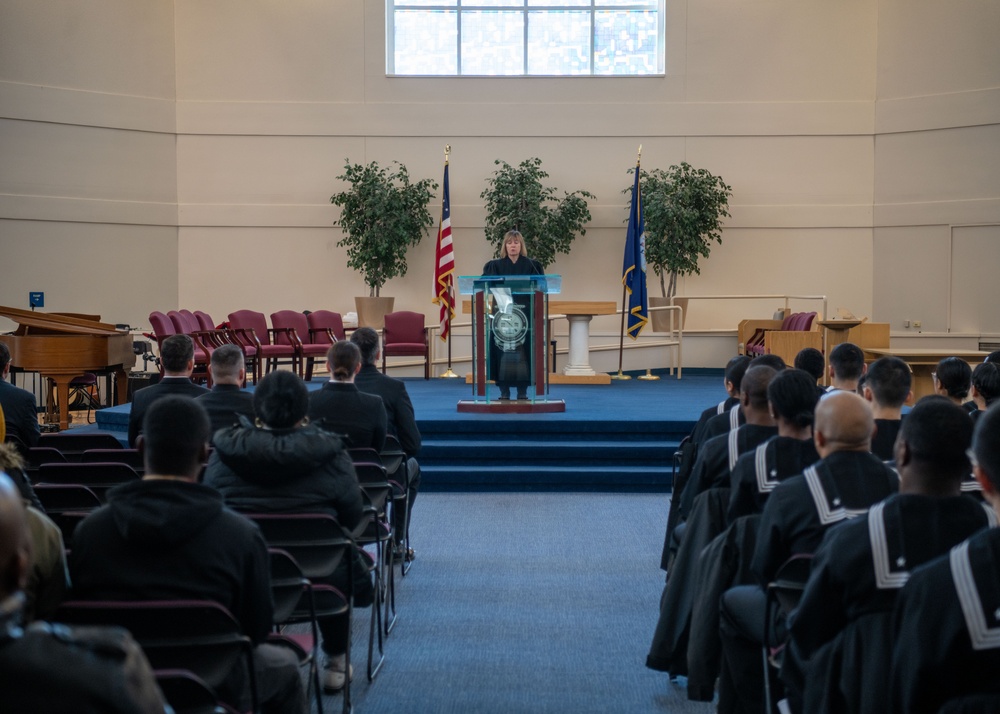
x: 617, y: 437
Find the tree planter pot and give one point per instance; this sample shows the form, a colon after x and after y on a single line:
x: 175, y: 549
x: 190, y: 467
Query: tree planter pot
x: 372, y: 310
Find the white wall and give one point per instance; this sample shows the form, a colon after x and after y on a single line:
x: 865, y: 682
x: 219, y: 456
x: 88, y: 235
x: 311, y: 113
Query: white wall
x: 856, y: 136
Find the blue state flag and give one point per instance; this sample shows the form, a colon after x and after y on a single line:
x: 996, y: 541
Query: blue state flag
x: 634, y: 270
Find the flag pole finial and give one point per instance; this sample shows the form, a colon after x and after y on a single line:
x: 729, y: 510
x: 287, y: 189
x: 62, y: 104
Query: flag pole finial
x: 447, y: 151
x: 638, y: 156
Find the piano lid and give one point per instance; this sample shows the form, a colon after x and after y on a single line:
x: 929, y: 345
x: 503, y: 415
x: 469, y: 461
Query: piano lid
x: 57, y: 323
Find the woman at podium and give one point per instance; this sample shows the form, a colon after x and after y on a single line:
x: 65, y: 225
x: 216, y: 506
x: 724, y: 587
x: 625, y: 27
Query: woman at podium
x: 510, y: 364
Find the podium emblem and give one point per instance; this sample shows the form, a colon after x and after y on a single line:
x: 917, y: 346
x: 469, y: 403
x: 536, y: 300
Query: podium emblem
x: 510, y: 328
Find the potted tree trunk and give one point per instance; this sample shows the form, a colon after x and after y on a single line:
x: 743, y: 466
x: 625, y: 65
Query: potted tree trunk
x: 382, y: 214
x: 516, y: 200
x: 683, y: 208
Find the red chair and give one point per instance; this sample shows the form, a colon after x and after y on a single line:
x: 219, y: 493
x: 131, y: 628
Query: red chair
x: 225, y: 335
x: 294, y: 330
x: 252, y: 331
x: 406, y: 336
x: 325, y: 327
x: 163, y: 327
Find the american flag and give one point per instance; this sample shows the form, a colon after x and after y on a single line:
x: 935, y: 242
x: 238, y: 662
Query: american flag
x: 444, y: 264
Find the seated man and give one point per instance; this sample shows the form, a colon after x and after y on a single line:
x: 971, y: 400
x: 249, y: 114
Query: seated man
x: 985, y: 387
x: 400, y: 419
x: 811, y: 361
x: 847, y: 364
x: 169, y: 537
x: 340, y: 407
x: 953, y: 378
x: 177, y: 360
x: 842, y: 629
x: 17, y: 406
x: 227, y: 401
x: 946, y: 643
x: 842, y: 485
x: 886, y: 388
x: 53, y: 668
x: 791, y: 398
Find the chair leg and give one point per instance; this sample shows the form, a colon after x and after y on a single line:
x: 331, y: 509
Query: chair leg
x: 375, y: 628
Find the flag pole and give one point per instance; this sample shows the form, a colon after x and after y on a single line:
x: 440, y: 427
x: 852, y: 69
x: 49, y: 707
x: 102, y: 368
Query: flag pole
x: 621, y: 337
x: 449, y: 373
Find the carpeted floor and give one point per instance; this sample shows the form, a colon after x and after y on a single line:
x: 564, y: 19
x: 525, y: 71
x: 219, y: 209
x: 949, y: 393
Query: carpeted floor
x: 534, y: 603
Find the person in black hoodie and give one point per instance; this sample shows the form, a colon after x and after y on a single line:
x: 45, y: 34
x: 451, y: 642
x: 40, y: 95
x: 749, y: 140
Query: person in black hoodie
x: 287, y: 465
x: 168, y: 537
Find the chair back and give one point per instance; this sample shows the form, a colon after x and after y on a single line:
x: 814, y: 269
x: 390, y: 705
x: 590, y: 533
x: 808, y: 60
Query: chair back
x: 72, y: 445
x: 59, y: 498
x: 186, y: 692
x: 405, y: 328
x: 325, y: 327
x: 315, y: 540
x: 285, y: 320
x: 38, y: 455
x: 162, y: 325
x: 132, y: 457
x: 99, y: 477
x: 251, y: 320
x: 790, y: 582
x: 197, y: 635
x: 205, y: 321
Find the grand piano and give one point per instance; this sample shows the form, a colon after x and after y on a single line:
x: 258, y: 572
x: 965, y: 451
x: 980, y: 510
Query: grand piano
x: 61, y: 347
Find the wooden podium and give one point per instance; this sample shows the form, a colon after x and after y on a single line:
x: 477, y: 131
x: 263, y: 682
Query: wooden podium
x: 510, y: 331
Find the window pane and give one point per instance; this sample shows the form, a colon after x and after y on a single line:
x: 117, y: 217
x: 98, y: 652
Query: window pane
x: 494, y: 3
x: 425, y: 3
x: 560, y: 3
x: 426, y: 42
x: 559, y: 43
x: 627, y: 3
x: 492, y: 43
x: 625, y: 42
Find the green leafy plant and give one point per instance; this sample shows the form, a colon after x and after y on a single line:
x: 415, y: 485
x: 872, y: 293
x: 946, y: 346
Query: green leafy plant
x: 516, y: 199
x: 683, y: 208
x: 382, y: 215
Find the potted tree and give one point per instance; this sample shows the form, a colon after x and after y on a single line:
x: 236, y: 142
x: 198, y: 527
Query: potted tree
x: 516, y: 199
x: 683, y: 209
x: 382, y: 214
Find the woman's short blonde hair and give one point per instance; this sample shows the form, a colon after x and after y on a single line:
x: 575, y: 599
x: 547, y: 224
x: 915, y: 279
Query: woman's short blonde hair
x: 513, y: 234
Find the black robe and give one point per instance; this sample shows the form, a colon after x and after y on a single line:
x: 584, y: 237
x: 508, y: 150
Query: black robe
x: 842, y: 626
x: 947, y: 625
x: 757, y: 473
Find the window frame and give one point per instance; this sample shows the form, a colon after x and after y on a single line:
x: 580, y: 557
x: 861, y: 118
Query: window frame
x: 460, y: 6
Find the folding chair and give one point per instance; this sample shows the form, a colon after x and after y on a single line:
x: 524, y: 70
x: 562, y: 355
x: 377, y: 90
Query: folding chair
x: 378, y: 532
x: 67, y: 505
x: 197, y: 635
x: 187, y: 693
x: 132, y: 457
x: 784, y: 592
x: 395, y: 462
x: 315, y: 544
x: 73, y: 445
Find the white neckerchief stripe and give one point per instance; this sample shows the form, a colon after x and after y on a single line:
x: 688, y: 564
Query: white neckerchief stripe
x: 826, y: 514
x: 764, y: 483
x: 734, y: 448
x: 991, y: 515
x: 734, y: 418
x: 885, y: 579
x: 721, y: 408
x: 982, y: 636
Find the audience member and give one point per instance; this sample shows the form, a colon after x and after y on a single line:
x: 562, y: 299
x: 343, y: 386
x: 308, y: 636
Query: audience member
x: 724, y: 423
x: 947, y: 646
x: 17, y: 406
x: 177, y: 361
x: 886, y: 388
x: 53, y: 668
x: 288, y: 465
x: 718, y: 455
x: 169, y: 537
x: 401, y: 422
x: 811, y: 361
x: 340, y: 407
x: 843, y: 625
x: 847, y: 364
x: 791, y: 399
x: 227, y: 401
x: 985, y: 387
x: 953, y: 379
x: 842, y: 485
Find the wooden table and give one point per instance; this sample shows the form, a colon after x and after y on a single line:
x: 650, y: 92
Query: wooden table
x: 923, y: 361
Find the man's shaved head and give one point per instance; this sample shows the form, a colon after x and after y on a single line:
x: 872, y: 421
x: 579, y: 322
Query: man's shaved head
x: 15, y: 543
x: 844, y: 422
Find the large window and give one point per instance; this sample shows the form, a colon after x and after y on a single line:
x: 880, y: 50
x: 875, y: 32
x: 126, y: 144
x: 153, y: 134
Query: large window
x: 524, y: 37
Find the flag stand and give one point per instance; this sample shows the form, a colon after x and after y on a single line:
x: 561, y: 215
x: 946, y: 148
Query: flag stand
x: 621, y: 341
x: 449, y: 374
x: 649, y: 376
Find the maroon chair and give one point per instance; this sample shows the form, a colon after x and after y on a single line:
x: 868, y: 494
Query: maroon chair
x: 294, y: 330
x: 325, y: 327
x: 225, y: 335
x: 163, y: 327
x: 406, y: 336
x: 251, y: 329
